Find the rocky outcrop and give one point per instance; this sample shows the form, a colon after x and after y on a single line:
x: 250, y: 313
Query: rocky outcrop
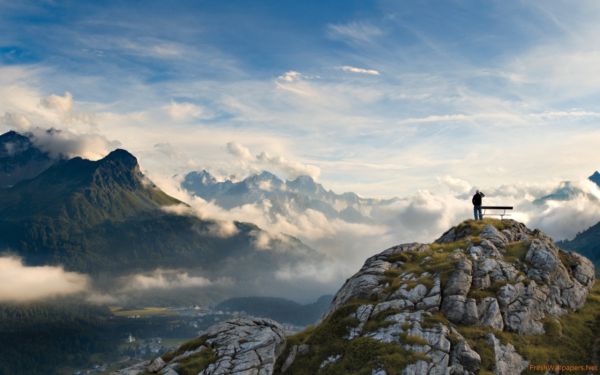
x: 241, y: 346
x: 441, y: 308
x: 507, y: 360
x: 501, y: 277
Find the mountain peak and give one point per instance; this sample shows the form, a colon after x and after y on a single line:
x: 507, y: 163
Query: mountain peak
x: 595, y: 178
x: 12, y: 135
x: 121, y: 155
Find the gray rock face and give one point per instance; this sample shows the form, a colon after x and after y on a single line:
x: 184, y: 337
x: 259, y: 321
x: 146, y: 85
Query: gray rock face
x: 459, y: 282
x: 463, y: 359
x: 242, y: 346
x: 485, y: 287
x: 507, y: 360
x: 245, y: 346
x: 493, y: 235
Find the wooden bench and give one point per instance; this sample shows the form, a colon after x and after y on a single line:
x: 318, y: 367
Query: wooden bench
x: 503, y: 210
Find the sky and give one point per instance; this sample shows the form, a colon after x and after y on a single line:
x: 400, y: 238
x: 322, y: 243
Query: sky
x: 382, y: 98
x: 422, y: 100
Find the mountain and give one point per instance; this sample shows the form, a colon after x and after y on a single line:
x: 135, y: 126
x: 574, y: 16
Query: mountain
x: 586, y: 243
x: 20, y: 159
x: 486, y: 297
x: 595, y: 178
x: 566, y: 191
x: 285, y: 197
x: 279, y: 309
x: 106, y: 217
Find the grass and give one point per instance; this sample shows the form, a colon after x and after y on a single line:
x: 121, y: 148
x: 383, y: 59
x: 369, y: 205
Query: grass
x: 413, y: 340
x: 475, y: 336
x: 491, y: 291
x: 449, y: 246
x: 186, y: 347
x: 193, y: 364
x: 574, y: 338
x: 378, y: 321
x: 358, y: 356
x: 475, y: 227
x: 516, y: 251
x: 144, y: 312
x: 436, y: 318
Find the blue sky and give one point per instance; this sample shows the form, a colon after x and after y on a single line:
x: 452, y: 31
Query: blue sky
x: 380, y: 97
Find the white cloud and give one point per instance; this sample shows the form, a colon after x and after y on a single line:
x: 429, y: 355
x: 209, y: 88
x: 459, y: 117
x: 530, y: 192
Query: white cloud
x: 352, y: 69
x: 22, y: 283
x: 354, y: 31
x: 168, y: 279
x: 267, y: 161
x: 290, y: 76
x: 64, y: 143
x: 240, y: 151
x: 180, y: 111
x: 61, y: 104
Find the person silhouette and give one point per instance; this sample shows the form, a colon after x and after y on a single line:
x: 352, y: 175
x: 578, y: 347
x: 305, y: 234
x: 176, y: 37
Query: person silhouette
x: 477, y: 200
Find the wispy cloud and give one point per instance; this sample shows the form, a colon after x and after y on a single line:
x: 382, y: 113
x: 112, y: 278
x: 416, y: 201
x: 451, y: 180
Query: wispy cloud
x: 352, y: 69
x: 355, y: 31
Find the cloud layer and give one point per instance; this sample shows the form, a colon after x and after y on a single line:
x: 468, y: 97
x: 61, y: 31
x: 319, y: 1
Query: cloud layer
x: 21, y: 283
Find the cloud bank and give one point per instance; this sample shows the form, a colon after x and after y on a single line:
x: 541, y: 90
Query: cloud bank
x: 168, y: 279
x: 21, y: 283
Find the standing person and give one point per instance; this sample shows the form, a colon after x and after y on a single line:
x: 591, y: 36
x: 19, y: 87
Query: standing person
x: 477, y: 198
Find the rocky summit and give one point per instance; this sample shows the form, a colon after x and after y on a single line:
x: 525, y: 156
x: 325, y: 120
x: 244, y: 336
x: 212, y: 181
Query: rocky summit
x: 486, y: 297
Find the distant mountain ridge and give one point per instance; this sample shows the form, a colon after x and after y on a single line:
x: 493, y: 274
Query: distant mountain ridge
x: 299, y: 194
x: 279, y: 309
x: 586, y: 243
x: 105, y: 216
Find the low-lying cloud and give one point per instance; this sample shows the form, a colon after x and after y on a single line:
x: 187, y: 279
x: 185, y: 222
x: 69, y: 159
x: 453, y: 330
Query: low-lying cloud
x: 169, y: 279
x: 22, y: 283
x: 63, y: 143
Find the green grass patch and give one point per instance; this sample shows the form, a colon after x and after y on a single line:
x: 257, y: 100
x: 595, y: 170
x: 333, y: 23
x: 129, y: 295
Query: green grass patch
x: 573, y: 338
x: 491, y: 291
x: 193, y: 364
x: 475, y: 336
x: 412, y: 340
x: 378, y: 321
x: 434, y: 319
x: 358, y: 356
x: 186, y: 347
x: 475, y: 227
x: 516, y: 251
x: 449, y: 246
x: 144, y: 312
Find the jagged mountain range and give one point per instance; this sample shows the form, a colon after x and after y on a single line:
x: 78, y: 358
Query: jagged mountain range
x: 106, y: 217
x: 486, y: 297
x: 295, y: 195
